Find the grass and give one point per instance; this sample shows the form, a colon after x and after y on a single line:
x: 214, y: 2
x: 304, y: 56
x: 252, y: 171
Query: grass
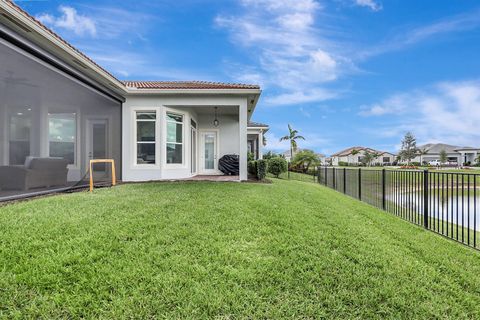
x: 298, y: 176
x: 226, y: 250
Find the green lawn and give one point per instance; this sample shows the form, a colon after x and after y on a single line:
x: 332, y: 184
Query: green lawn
x: 226, y: 250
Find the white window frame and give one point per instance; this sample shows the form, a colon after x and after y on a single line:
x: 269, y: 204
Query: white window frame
x: 165, y: 142
x: 75, y: 164
x: 155, y: 165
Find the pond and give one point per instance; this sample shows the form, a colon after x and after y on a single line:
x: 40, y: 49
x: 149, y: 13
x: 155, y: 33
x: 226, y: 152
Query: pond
x: 460, y: 208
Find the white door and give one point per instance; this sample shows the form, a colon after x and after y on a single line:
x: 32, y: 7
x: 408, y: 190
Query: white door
x: 209, y: 152
x: 97, y: 146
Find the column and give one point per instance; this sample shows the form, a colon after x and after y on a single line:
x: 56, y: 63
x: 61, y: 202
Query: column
x: 242, y: 135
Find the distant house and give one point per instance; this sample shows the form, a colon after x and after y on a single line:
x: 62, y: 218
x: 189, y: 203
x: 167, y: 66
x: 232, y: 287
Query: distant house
x: 288, y: 157
x: 354, y: 156
x: 455, y: 154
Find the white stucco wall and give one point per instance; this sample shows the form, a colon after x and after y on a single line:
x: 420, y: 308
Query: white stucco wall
x: 232, y: 129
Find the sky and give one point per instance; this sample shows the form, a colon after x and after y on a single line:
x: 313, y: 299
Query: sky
x: 342, y: 72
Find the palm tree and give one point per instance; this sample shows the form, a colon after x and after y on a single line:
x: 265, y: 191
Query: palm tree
x: 422, y: 152
x: 292, y: 137
x: 354, y: 153
x: 305, y: 159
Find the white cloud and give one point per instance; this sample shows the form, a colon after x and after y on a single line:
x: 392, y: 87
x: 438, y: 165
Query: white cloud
x: 372, y: 4
x: 447, y: 112
x: 70, y: 20
x: 411, y: 36
x: 299, y: 97
x: 293, y: 55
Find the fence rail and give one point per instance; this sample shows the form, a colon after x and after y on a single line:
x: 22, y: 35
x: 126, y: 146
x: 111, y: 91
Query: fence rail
x: 443, y: 202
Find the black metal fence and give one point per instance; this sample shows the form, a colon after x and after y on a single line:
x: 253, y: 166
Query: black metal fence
x: 443, y: 202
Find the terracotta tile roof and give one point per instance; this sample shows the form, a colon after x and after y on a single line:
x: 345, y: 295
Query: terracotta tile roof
x: 41, y: 25
x: 166, y: 85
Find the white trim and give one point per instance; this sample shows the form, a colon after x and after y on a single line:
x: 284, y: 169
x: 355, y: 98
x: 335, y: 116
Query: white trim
x: 201, y: 151
x: 184, y: 114
x: 136, y: 165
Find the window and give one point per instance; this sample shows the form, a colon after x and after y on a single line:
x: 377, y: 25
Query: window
x: 146, y: 137
x: 174, y: 138
x: 19, y: 145
x: 62, y: 136
x: 386, y: 159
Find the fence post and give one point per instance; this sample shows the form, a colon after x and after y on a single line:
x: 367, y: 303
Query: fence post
x: 359, y: 183
x: 425, y: 198
x: 344, y: 180
x: 333, y: 178
x: 383, y: 189
x: 326, y: 180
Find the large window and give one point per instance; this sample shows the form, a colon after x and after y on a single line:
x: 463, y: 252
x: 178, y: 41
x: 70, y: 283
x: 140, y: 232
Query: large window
x: 146, y: 137
x: 174, y: 138
x: 19, y: 145
x: 62, y: 135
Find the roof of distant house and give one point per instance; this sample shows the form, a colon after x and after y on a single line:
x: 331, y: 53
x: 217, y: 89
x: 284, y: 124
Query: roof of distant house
x: 348, y: 151
x: 436, y: 148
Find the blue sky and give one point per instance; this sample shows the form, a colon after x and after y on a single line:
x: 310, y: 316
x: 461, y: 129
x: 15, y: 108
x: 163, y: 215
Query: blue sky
x: 342, y: 72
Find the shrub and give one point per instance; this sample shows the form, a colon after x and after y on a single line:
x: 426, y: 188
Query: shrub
x: 277, y: 166
x: 343, y: 164
x: 250, y: 156
x: 252, y: 168
x: 261, y: 169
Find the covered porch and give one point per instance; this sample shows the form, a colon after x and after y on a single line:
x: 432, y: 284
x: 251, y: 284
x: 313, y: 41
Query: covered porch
x: 51, y: 125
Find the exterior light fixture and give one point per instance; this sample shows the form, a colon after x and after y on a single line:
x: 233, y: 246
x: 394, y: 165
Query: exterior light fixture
x: 215, y: 121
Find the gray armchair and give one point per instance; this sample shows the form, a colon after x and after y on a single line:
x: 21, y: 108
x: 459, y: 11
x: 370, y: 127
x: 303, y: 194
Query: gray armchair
x: 35, y: 173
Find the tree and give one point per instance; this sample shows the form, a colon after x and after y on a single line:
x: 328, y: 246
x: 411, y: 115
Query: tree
x: 422, y: 152
x: 367, y: 157
x: 305, y: 158
x: 477, y: 159
x: 270, y: 155
x: 292, y: 136
x: 277, y: 166
x: 409, y: 148
x: 354, y: 153
x: 443, y: 156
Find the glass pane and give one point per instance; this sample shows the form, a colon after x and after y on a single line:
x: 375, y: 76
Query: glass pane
x: 209, y: 151
x: 145, y: 130
x: 174, y: 153
x: 146, y: 153
x: 149, y: 115
x: 174, y: 117
x: 174, y: 132
x: 99, y: 144
x: 194, y: 151
x: 19, y: 144
x: 62, y: 134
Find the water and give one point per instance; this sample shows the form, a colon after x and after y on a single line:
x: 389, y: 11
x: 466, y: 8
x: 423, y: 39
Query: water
x: 450, y: 208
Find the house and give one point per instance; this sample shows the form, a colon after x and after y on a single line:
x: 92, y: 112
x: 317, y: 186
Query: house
x: 455, y: 154
x: 256, y: 138
x: 288, y: 157
x: 354, y: 156
x: 59, y: 109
